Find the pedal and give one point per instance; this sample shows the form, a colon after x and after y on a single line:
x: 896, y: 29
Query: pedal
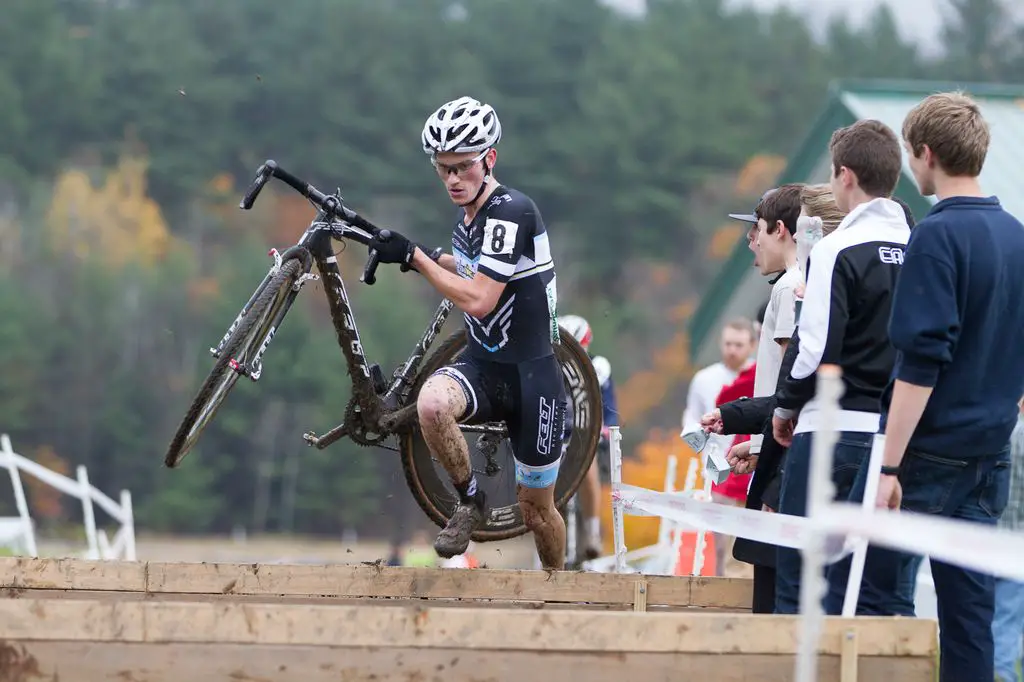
x: 310, y: 438
x: 377, y: 376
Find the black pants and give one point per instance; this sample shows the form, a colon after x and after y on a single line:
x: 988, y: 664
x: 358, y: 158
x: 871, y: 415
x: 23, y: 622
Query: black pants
x: 764, y: 589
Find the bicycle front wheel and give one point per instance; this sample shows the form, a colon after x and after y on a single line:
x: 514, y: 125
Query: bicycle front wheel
x: 432, y: 487
x: 240, y: 348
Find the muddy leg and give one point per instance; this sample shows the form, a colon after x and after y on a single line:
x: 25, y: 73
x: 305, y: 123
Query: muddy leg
x: 440, y: 404
x: 541, y: 517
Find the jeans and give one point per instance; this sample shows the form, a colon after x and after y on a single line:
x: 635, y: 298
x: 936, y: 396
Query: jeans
x: 764, y: 590
x: 889, y: 582
x: 971, y: 489
x: 851, y: 451
x: 1008, y: 628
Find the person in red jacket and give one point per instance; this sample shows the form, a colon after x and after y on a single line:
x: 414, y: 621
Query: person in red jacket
x: 733, y: 491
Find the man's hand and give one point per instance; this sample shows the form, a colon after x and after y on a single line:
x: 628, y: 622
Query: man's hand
x: 890, y: 493
x: 396, y: 249
x: 434, y: 255
x: 782, y: 430
x: 712, y: 422
x: 740, y: 459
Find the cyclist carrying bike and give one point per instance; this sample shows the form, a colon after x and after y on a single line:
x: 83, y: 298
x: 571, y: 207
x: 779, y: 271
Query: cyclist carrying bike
x: 590, y: 491
x: 501, y: 275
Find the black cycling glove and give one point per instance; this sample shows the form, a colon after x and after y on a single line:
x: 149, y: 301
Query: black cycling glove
x: 433, y: 255
x: 395, y: 249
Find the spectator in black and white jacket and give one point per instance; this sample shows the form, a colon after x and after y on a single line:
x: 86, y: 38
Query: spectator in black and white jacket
x: 843, y: 321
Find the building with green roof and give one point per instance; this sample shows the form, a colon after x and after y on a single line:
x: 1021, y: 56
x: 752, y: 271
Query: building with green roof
x: 739, y: 289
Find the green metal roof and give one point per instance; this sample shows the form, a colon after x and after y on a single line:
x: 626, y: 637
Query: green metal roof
x: 889, y: 102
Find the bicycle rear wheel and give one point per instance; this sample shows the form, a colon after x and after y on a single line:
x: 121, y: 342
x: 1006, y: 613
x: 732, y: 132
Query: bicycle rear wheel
x: 430, y: 484
x: 240, y: 348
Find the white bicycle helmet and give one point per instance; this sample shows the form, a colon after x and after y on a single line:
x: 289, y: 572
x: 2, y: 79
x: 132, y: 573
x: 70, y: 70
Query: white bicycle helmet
x: 578, y: 327
x: 462, y: 125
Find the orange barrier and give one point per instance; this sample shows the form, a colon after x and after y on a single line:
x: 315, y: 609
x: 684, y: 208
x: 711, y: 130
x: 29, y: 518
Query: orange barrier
x: 687, y: 548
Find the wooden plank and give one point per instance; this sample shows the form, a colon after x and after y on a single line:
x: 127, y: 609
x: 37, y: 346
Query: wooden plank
x: 640, y: 596
x: 848, y: 657
x: 349, y: 580
x: 71, y: 573
x: 497, y: 629
x: 117, y: 662
x: 727, y: 593
x: 18, y: 593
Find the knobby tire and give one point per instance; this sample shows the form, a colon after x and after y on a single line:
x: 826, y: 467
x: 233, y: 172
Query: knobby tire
x: 439, y: 504
x: 250, y: 333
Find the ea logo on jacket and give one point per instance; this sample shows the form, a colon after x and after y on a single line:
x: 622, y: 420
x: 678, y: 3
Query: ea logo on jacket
x: 892, y: 255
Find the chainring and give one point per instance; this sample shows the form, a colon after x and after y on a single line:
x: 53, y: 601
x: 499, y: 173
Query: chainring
x: 357, y: 431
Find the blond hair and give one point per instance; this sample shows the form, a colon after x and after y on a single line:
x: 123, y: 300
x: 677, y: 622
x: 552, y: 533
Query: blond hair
x: 818, y: 202
x: 951, y: 125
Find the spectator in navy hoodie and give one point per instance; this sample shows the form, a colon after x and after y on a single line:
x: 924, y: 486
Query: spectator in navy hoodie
x: 958, y: 328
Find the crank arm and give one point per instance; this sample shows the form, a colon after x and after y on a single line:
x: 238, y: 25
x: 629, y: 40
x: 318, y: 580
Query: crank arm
x: 321, y: 442
x: 394, y: 421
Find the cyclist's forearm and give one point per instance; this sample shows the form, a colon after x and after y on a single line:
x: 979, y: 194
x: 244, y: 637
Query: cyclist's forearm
x: 447, y: 261
x: 467, y: 295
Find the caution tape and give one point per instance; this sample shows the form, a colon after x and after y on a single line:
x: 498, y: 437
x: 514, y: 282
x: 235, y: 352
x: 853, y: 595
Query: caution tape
x: 983, y: 548
x: 784, y: 530
x: 963, y: 543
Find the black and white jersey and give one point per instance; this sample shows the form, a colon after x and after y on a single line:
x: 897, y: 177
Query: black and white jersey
x: 844, y: 318
x: 507, y: 242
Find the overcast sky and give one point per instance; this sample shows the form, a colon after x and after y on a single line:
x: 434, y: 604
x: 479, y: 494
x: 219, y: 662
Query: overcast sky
x: 919, y: 19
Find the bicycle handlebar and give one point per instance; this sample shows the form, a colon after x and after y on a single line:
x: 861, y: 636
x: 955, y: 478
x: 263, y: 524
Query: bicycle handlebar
x: 329, y: 204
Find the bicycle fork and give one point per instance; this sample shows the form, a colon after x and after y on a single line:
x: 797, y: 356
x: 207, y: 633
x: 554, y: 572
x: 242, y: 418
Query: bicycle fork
x: 253, y: 368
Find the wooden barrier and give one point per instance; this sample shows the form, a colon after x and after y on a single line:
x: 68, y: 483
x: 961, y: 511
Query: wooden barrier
x: 361, y: 582
x: 128, y: 621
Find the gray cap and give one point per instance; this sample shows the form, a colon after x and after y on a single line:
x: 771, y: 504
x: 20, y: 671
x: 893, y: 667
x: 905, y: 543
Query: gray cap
x: 751, y: 217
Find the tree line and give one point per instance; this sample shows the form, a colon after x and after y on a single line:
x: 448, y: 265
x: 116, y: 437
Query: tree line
x: 130, y: 128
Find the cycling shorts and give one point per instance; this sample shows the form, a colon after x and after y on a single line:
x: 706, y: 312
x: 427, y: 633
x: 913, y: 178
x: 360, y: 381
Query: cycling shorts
x: 530, y: 398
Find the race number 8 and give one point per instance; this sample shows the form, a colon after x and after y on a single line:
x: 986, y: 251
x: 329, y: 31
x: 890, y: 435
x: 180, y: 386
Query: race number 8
x: 499, y: 237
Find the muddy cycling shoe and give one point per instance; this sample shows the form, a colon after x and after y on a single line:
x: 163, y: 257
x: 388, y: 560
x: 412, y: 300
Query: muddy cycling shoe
x: 454, y: 539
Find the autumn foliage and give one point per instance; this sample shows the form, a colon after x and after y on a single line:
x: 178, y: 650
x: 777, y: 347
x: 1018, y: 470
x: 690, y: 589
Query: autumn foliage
x: 44, y: 500
x: 115, y: 221
x: 759, y: 172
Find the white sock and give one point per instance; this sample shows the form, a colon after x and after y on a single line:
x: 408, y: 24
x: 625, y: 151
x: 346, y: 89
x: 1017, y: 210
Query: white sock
x: 594, y: 528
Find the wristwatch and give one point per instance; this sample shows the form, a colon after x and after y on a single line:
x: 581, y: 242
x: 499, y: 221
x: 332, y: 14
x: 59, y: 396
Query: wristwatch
x: 890, y: 471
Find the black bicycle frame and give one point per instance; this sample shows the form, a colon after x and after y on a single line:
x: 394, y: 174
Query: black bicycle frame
x: 385, y: 407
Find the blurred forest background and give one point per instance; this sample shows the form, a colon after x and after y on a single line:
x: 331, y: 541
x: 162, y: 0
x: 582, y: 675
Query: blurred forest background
x: 129, y: 128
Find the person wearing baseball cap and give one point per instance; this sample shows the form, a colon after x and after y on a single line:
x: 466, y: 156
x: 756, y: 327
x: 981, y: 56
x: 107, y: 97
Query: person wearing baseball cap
x: 751, y: 218
x: 773, y: 225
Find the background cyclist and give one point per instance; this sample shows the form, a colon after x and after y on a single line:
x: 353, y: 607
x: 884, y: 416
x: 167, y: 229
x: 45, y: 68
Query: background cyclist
x: 590, y: 490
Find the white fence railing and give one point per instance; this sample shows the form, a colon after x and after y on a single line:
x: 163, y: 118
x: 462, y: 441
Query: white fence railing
x: 831, y: 531
x: 662, y: 557
x: 20, y: 531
